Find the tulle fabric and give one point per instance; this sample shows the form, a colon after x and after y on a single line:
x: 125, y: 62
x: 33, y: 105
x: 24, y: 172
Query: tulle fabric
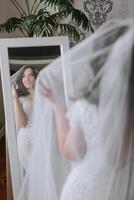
x: 45, y: 156
x: 97, y: 69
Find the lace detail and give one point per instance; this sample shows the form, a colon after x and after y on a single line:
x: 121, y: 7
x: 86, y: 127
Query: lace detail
x: 24, y: 139
x: 74, y: 114
x: 79, y: 183
x: 27, y: 105
x: 83, y: 115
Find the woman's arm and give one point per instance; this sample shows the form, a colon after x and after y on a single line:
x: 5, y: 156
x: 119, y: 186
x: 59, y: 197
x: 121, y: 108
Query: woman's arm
x: 75, y: 145
x: 61, y: 125
x: 71, y: 142
x: 20, y: 117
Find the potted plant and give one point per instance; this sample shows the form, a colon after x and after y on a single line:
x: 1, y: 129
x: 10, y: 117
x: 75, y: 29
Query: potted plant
x: 37, y: 20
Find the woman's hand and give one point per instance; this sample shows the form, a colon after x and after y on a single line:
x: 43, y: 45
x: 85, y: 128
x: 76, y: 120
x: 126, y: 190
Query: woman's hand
x: 46, y: 92
x: 14, y: 92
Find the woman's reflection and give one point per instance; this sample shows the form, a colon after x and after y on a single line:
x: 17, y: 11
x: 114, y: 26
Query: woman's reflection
x: 22, y: 103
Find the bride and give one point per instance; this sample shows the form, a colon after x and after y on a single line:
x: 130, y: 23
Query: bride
x: 23, y: 103
x: 94, y: 132
x: 78, y: 139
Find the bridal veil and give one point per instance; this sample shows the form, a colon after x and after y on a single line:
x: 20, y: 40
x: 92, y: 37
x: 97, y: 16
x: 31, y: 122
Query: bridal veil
x: 99, y: 68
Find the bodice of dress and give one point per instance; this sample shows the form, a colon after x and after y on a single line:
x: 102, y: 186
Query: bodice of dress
x: 24, y: 139
x: 27, y: 105
x: 83, y: 115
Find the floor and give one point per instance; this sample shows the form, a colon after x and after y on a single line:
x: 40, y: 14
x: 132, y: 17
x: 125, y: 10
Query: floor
x: 2, y: 170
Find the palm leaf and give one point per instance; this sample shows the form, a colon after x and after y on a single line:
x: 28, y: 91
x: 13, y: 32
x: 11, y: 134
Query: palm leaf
x: 60, y: 4
x: 81, y: 19
x: 70, y: 31
x: 43, y: 12
x: 29, y: 20
x: 76, y: 15
x: 43, y: 21
x: 43, y: 29
x: 10, y: 25
x: 59, y: 15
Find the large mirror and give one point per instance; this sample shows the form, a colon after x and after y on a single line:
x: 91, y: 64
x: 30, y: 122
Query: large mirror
x: 21, y: 61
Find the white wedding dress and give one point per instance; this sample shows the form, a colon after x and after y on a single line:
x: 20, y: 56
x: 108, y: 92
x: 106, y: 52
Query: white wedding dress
x: 81, y: 180
x: 24, y: 138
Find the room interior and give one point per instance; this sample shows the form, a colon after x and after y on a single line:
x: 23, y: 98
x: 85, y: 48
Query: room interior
x: 120, y: 9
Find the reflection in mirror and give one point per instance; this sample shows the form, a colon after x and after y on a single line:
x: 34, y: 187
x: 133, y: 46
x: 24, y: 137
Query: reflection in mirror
x: 25, y: 63
x: 21, y: 60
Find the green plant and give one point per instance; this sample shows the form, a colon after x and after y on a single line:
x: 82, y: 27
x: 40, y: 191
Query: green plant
x: 37, y: 20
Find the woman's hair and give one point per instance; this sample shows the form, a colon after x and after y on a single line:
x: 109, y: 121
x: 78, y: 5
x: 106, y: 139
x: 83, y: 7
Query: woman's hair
x: 21, y: 90
x: 84, y: 85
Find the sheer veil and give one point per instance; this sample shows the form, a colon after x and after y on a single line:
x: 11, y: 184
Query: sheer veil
x: 98, y: 69
x: 14, y: 77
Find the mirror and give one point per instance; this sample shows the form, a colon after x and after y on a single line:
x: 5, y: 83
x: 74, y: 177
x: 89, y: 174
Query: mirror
x: 24, y: 65
x: 21, y: 60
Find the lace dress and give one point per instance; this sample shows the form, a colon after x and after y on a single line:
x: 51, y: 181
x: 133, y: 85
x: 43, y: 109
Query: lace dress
x: 24, y: 140
x: 81, y: 180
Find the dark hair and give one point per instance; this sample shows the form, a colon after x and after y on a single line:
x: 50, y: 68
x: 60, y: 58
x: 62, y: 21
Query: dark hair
x: 22, y: 91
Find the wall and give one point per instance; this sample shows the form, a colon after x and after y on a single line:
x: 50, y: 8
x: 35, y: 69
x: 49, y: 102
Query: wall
x: 121, y: 9
x: 1, y: 107
x: 6, y: 11
x: 106, y: 10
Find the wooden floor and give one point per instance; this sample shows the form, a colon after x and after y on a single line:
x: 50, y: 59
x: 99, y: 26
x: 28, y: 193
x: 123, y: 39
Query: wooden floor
x: 2, y: 170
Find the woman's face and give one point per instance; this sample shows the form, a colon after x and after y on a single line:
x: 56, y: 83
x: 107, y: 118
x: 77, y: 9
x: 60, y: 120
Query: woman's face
x: 28, y: 78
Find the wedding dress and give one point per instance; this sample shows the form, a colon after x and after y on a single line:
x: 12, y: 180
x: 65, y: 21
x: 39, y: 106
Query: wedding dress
x: 24, y: 140
x: 84, y: 115
x: 105, y: 172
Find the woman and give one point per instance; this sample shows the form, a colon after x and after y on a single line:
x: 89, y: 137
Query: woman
x: 96, y: 132
x: 23, y: 111
x: 76, y: 133
x: 78, y: 130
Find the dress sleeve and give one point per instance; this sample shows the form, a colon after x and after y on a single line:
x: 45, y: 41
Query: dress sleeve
x: 83, y: 115
x: 74, y: 114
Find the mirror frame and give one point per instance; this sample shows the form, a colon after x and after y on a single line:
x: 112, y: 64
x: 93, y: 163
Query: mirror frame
x: 63, y: 42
